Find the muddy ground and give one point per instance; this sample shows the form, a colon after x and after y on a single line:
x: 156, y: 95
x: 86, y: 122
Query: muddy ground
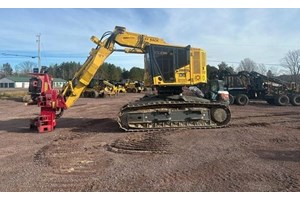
x: 260, y: 151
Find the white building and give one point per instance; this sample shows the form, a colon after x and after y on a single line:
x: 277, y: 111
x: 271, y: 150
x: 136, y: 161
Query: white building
x: 23, y: 82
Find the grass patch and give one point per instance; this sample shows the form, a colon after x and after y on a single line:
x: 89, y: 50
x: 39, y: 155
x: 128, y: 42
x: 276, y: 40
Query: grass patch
x: 13, y: 94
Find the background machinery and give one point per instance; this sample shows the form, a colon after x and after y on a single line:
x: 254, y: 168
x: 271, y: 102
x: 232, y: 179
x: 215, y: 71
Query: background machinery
x: 94, y: 89
x: 252, y: 85
x: 102, y: 88
x: 167, y: 68
x: 133, y: 86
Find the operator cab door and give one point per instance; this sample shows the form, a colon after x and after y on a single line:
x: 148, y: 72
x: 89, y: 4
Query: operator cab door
x: 163, y: 62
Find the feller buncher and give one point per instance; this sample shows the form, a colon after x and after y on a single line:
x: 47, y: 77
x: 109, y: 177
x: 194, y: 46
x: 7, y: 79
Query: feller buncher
x: 167, y: 68
x: 101, y: 88
x: 133, y: 86
x: 95, y: 89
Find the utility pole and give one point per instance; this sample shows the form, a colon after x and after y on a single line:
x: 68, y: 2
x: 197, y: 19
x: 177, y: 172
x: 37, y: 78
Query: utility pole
x: 39, y: 50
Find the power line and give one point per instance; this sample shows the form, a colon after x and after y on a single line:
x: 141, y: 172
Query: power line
x: 18, y: 55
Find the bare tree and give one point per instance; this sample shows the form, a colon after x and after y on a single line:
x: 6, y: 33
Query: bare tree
x: 247, y: 65
x: 25, y: 67
x: 275, y: 71
x: 262, y: 69
x: 291, y: 62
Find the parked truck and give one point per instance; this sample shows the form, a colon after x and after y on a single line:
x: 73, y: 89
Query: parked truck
x: 244, y: 86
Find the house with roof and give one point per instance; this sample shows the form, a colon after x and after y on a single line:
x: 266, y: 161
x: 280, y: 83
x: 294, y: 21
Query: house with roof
x: 23, y: 82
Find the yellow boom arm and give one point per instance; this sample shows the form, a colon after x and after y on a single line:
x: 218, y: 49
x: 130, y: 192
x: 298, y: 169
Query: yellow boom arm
x: 135, y: 42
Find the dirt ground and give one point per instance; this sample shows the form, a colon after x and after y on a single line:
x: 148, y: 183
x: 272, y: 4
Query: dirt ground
x: 259, y: 151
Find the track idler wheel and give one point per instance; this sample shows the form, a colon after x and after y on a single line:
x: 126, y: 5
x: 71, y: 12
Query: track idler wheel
x: 221, y: 116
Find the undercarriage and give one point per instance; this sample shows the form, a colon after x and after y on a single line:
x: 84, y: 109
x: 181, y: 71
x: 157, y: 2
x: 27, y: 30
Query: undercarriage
x: 152, y: 113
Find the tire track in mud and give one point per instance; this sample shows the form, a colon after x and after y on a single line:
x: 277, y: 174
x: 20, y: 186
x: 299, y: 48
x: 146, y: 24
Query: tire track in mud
x: 40, y: 158
x: 230, y: 175
x: 278, y: 155
x: 67, y: 160
x: 251, y: 124
x: 171, y: 178
x: 264, y: 124
x: 268, y: 115
x: 241, y: 181
x: 217, y: 175
x: 141, y: 143
x: 284, y: 139
x: 198, y: 177
x: 68, y: 163
x: 286, y: 119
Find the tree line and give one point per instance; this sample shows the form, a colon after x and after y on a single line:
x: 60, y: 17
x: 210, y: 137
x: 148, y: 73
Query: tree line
x: 66, y: 70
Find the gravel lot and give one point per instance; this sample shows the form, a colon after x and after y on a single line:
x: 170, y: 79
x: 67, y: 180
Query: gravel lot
x: 259, y: 151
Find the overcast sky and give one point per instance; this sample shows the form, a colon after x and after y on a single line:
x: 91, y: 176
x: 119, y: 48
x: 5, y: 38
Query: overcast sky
x: 230, y: 35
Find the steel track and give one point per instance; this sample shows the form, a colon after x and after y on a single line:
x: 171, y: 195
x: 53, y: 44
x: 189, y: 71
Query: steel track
x: 144, y: 105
